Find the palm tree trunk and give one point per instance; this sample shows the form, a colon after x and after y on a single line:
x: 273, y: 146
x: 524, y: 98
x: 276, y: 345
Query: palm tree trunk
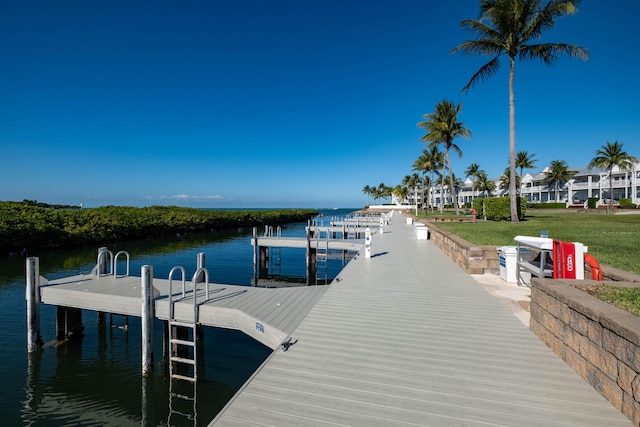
x: 444, y: 171
x: 454, y: 199
x: 512, y: 143
x: 610, y: 190
x: 442, y: 199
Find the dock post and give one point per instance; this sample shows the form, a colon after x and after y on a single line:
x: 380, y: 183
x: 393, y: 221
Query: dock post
x: 68, y: 322
x: 200, y: 263
x: 367, y: 243
x: 102, y: 269
x: 34, y: 340
x: 147, y: 319
x: 255, y: 245
x: 308, y: 247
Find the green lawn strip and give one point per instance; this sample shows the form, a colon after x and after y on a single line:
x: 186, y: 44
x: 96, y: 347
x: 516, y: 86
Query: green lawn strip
x: 613, y: 240
x: 627, y: 299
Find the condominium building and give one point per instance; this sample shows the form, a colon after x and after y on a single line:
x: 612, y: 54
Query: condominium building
x: 585, y: 184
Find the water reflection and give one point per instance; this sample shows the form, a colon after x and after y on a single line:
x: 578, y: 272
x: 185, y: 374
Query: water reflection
x: 98, y: 381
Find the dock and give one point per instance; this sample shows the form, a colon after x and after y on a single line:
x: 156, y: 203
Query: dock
x: 303, y: 243
x: 267, y: 315
x: 406, y: 337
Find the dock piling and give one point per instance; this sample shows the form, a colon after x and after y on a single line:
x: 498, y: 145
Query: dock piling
x: 200, y: 264
x: 101, y: 270
x: 34, y: 340
x: 147, y: 319
x: 68, y: 322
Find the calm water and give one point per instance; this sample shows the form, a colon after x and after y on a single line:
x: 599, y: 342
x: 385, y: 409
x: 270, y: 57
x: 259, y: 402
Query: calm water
x: 97, y: 380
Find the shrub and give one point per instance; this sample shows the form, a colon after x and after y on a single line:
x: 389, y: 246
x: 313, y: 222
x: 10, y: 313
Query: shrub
x: 591, y: 202
x: 499, y: 208
x: 626, y: 204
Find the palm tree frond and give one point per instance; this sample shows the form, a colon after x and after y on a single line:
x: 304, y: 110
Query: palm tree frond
x: 484, y: 73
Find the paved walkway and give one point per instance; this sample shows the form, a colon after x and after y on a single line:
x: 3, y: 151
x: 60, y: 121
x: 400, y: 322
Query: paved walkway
x: 407, y: 338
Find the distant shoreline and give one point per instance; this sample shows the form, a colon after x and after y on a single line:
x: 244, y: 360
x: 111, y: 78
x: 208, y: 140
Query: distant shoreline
x: 26, y: 227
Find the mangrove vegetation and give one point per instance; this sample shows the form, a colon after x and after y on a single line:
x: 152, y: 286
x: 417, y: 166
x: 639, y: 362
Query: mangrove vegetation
x: 37, y: 226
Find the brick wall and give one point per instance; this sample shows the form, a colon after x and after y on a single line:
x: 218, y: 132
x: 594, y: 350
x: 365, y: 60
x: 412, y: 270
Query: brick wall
x: 598, y: 340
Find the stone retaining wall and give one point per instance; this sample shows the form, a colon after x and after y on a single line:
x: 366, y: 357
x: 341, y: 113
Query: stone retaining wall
x: 598, y: 340
x: 477, y: 259
x: 473, y: 259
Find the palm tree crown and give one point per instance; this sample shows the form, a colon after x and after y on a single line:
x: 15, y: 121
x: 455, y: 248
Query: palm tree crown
x: 473, y: 171
x: 557, y: 173
x: 430, y: 161
x: 524, y: 160
x: 608, y: 156
x: 506, y: 27
x: 484, y: 184
x: 442, y: 127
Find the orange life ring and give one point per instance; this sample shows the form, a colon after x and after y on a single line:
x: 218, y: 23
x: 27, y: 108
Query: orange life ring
x: 596, y: 270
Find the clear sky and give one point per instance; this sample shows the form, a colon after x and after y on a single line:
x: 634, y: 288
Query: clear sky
x: 283, y: 103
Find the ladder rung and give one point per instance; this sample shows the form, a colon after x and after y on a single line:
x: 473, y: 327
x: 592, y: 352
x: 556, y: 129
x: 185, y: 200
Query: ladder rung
x: 182, y: 396
x: 183, y: 377
x: 183, y: 324
x: 183, y: 342
x: 182, y: 360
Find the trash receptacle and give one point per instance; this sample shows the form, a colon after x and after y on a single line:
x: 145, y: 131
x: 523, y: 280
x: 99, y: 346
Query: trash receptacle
x: 409, y: 220
x: 422, y: 232
x: 508, y: 256
x: 508, y: 263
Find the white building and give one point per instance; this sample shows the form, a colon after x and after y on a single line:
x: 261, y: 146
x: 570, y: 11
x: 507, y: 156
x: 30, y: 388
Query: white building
x: 585, y: 184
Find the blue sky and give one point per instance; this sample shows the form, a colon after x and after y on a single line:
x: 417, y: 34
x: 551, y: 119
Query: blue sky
x: 238, y: 103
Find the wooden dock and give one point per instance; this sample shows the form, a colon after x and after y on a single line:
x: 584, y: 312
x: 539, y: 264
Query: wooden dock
x: 407, y: 338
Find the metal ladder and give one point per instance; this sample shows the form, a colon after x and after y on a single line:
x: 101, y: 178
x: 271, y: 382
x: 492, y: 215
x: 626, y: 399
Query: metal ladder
x: 322, y: 256
x: 183, y: 333
x: 351, y: 230
x: 183, y: 336
x: 275, y: 254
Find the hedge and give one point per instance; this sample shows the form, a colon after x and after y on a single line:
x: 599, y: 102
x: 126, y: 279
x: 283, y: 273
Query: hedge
x: 499, y: 208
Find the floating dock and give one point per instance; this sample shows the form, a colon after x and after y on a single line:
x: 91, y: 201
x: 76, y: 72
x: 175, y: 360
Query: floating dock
x: 267, y: 315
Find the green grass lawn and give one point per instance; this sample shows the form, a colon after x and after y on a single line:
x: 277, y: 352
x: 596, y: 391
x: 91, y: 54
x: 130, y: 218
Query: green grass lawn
x: 624, y: 298
x: 613, y: 240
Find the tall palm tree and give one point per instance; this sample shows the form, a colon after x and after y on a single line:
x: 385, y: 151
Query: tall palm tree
x: 608, y: 156
x: 505, y: 179
x: 506, y: 27
x: 430, y: 161
x: 369, y: 192
x: 557, y: 173
x: 442, y: 127
x: 524, y: 160
x: 381, y: 191
x: 412, y: 182
x: 483, y: 184
x: 401, y: 192
x: 473, y: 171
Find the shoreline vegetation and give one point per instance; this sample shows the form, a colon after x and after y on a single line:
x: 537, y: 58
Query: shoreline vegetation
x: 29, y: 225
